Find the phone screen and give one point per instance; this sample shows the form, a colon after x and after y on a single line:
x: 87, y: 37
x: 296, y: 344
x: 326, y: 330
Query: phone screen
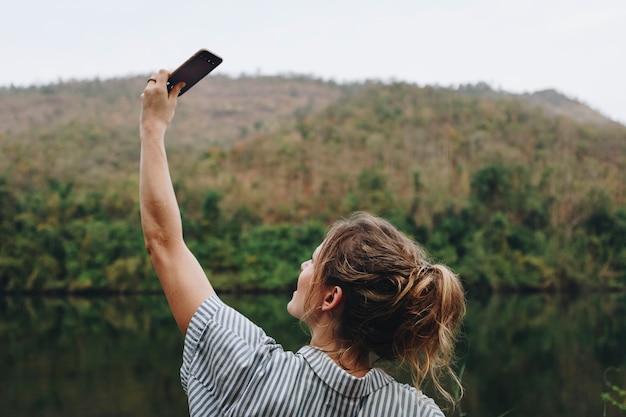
x: 193, y: 70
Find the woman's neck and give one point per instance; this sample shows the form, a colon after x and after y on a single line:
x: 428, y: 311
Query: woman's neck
x: 353, y: 362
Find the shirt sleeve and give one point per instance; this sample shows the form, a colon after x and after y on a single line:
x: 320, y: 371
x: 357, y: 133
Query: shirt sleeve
x: 222, y: 350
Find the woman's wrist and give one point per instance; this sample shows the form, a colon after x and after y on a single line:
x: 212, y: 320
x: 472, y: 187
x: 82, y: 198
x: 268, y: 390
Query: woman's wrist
x: 152, y: 129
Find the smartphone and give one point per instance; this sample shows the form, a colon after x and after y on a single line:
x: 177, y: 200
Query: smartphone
x: 193, y: 70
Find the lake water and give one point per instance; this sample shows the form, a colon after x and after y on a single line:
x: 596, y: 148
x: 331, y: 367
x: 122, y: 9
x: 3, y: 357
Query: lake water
x: 536, y: 355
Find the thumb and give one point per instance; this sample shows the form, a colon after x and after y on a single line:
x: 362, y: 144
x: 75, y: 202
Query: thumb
x: 176, y: 89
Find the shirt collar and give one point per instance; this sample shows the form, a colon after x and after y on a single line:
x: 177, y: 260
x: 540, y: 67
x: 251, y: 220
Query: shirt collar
x: 341, y: 381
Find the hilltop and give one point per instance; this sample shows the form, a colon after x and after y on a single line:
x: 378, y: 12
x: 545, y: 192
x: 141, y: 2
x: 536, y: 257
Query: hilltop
x: 241, y: 105
x: 90, y: 127
x: 550, y: 101
x: 220, y: 107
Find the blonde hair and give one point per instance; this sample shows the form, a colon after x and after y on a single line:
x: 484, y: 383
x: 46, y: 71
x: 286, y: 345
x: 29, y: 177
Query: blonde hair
x: 397, y: 305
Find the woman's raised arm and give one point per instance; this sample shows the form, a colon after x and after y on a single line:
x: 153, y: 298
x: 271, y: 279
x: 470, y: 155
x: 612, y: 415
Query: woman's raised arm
x: 182, y: 278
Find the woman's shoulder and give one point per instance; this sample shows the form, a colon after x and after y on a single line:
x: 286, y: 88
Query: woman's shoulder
x: 220, y: 338
x: 407, y: 400
x: 399, y: 400
x: 222, y: 322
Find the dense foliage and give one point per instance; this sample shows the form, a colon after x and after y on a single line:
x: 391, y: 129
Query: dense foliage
x: 508, y: 195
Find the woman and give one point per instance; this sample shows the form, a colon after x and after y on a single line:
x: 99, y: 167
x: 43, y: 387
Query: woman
x: 367, y: 293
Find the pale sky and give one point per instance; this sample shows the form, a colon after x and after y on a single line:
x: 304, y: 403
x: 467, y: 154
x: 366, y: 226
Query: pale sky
x: 576, y: 47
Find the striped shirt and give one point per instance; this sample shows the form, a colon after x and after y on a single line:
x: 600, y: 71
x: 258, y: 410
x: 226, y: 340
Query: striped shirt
x: 232, y: 368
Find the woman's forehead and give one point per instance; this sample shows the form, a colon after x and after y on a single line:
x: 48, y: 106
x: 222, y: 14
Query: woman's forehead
x: 317, y: 251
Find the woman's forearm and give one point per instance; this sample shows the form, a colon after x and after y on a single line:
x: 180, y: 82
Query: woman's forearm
x: 160, y: 215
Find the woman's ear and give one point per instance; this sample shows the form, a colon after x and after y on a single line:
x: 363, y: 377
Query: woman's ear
x: 333, y: 298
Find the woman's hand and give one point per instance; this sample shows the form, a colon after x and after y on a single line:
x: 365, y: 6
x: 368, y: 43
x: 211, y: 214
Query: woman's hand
x: 158, y: 106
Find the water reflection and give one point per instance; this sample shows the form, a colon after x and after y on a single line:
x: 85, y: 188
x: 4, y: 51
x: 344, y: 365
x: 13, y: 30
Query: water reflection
x: 543, y: 355
x: 91, y: 357
x: 115, y: 356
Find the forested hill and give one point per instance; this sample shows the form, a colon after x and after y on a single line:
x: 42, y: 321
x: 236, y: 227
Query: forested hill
x: 513, y: 191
